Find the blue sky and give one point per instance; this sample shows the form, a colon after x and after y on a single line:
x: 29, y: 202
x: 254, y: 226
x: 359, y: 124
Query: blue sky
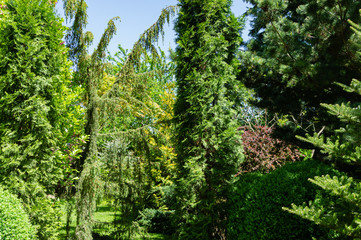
x: 136, y: 16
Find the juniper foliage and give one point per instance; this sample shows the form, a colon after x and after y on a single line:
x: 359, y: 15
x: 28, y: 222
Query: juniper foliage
x: 90, y: 71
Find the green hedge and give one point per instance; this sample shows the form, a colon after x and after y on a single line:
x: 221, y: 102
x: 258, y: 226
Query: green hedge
x: 14, y: 222
x: 255, y: 205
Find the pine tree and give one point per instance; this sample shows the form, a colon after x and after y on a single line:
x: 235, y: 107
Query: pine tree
x: 298, y: 50
x: 207, y: 144
x: 31, y: 67
x: 342, y: 209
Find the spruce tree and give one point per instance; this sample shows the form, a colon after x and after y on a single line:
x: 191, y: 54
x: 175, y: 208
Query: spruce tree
x: 340, y: 210
x: 207, y: 143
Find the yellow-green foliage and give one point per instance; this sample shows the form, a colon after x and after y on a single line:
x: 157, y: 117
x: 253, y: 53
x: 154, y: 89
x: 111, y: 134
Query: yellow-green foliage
x: 164, y: 169
x: 32, y: 65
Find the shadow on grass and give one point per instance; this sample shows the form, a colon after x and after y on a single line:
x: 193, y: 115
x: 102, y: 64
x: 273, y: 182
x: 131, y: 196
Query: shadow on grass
x: 97, y: 236
x: 62, y: 234
x: 104, y: 209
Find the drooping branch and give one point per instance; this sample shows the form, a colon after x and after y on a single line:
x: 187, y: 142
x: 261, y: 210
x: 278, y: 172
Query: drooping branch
x: 148, y: 38
x: 144, y: 44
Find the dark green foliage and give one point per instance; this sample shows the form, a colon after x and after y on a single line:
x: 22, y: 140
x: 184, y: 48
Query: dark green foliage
x: 298, y: 51
x: 157, y: 221
x: 207, y: 143
x: 343, y: 147
x: 14, y: 221
x: 255, y: 205
x: 341, y: 212
x: 31, y: 63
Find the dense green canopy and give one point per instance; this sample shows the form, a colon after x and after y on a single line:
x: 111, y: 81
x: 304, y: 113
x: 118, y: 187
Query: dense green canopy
x: 206, y: 138
x: 298, y: 51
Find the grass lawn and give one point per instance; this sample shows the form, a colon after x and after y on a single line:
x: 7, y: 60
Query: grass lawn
x: 104, y: 217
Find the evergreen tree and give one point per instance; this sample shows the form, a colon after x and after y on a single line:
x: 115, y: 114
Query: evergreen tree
x: 342, y: 209
x: 207, y: 143
x: 32, y: 62
x: 298, y: 50
x: 141, y: 158
x: 90, y: 72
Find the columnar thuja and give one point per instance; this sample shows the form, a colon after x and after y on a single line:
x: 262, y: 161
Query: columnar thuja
x: 207, y: 141
x: 31, y: 74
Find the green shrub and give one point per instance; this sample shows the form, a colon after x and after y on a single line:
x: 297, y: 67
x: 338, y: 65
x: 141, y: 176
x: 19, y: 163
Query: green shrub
x: 157, y: 221
x: 255, y: 205
x: 14, y: 222
x: 45, y: 215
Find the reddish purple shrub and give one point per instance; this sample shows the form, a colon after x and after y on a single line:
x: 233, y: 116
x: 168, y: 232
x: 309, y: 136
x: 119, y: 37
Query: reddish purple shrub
x: 264, y: 153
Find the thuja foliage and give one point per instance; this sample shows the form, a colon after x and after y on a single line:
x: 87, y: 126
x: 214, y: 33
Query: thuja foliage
x: 298, y: 50
x: 341, y: 210
x: 208, y: 145
x: 31, y: 67
x: 263, y: 152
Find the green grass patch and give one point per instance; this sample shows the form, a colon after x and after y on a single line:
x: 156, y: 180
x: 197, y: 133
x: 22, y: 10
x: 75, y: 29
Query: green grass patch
x: 154, y: 236
x: 103, y: 226
x: 103, y: 218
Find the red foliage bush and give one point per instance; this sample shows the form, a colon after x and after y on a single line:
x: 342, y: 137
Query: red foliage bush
x: 264, y: 153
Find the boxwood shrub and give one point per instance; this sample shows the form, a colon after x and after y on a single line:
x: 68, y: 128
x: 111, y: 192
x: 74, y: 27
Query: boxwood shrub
x: 255, y: 204
x: 14, y: 222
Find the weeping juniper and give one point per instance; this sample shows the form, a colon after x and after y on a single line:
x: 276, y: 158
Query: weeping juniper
x: 89, y: 71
